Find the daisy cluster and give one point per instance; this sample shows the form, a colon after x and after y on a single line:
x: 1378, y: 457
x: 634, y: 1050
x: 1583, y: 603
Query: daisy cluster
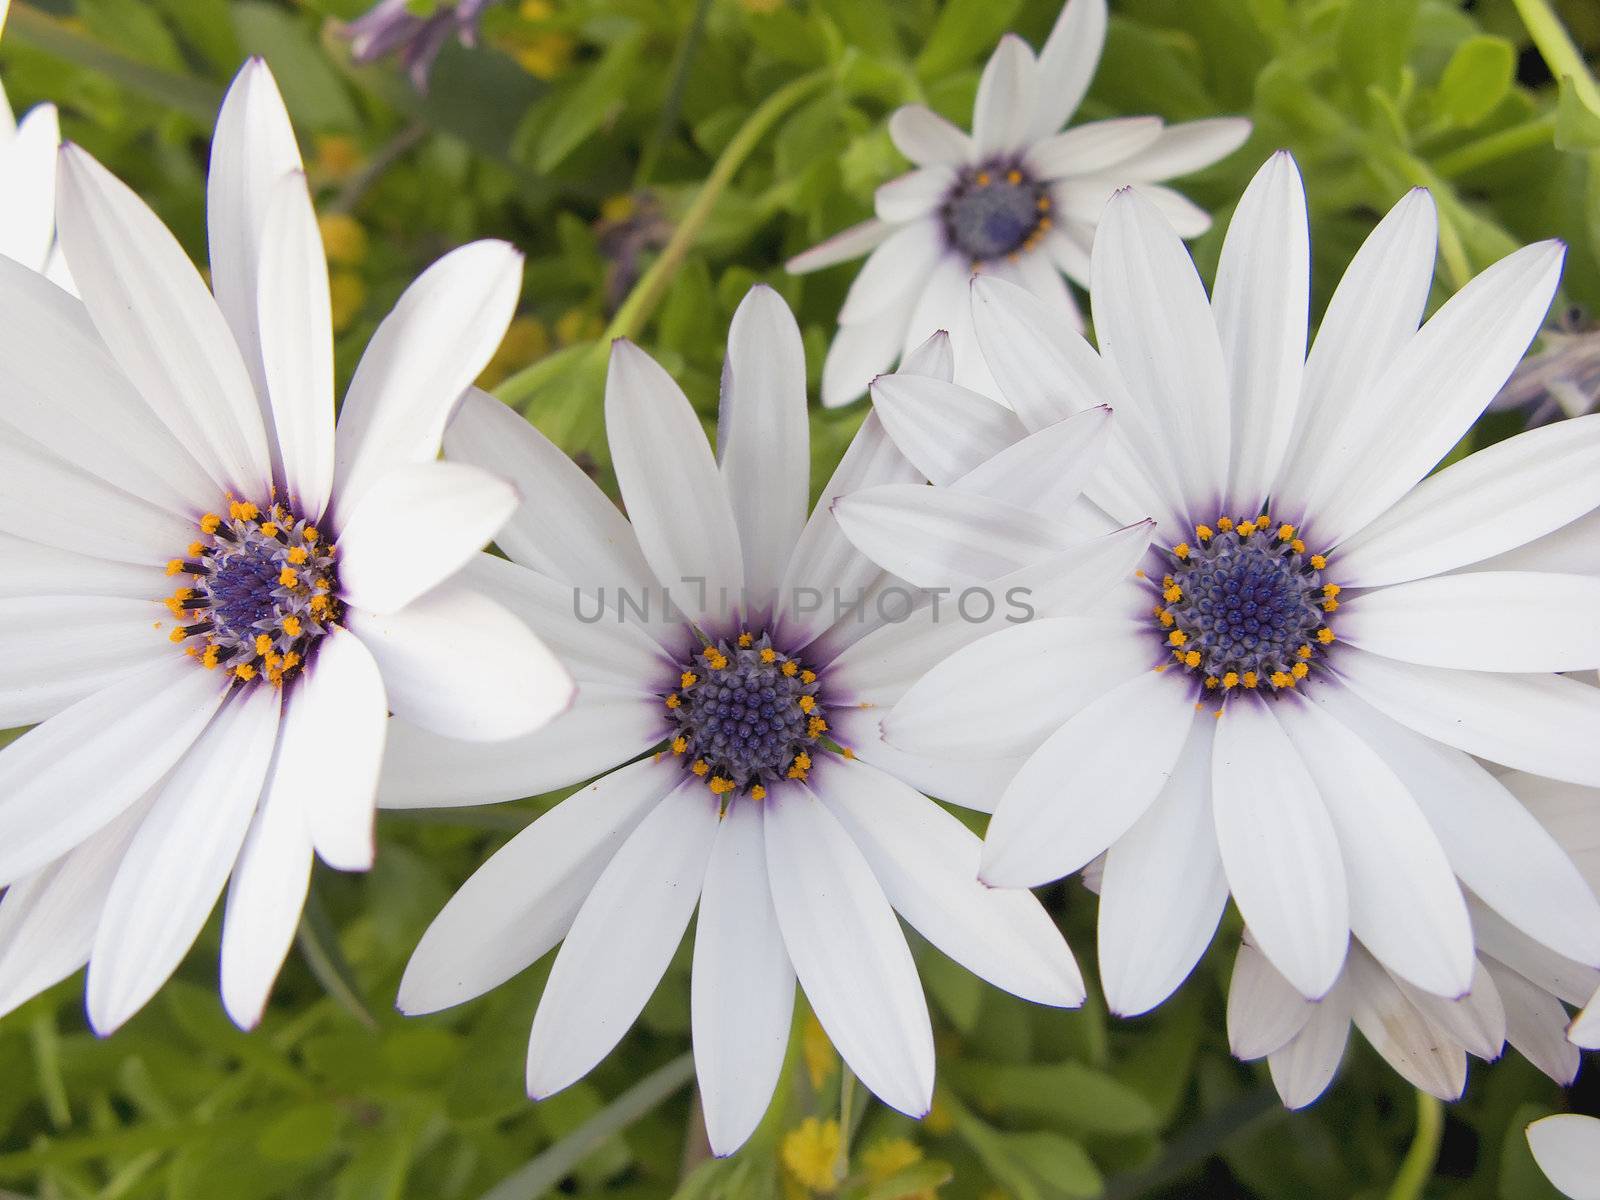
x: 1254, y: 645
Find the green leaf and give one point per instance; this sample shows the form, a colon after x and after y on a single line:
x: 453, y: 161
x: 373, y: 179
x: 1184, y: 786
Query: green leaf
x: 312, y: 90
x: 1060, y: 1163
x: 965, y: 29
x: 914, y: 1180
x: 1374, y: 42
x: 1476, y: 79
x: 1071, y: 1093
x: 303, y: 1134
x: 1577, y: 122
x: 575, y: 115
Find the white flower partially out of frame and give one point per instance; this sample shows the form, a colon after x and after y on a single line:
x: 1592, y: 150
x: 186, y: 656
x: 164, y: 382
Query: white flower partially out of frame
x: 1320, y: 641
x: 1567, y: 1149
x: 1017, y: 198
x: 155, y: 435
x: 756, y: 785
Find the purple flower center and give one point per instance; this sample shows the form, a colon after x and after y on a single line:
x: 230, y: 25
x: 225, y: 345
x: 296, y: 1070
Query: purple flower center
x: 995, y: 211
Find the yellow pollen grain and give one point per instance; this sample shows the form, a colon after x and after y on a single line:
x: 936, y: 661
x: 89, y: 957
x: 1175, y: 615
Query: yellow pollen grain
x: 1173, y: 594
x: 298, y: 555
x: 210, y: 523
x: 1192, y: 658
x: 174, y: 565
x: 1285, y: 532
x: 1249, y: 679
x: 982, y: 179
x: 263, y: 644
x: 1177, y: 637
x: 699, y: 766
x: 1202, y: 532
x: 195, y: 548
x: 1318, y: 562
x: 791, y: 669
x: 673, y: 701
x: 1297, y: 546
x: 288, y: 577
x: 720, y: 786
x: 816, y: 727
x: 679, y: 745
x: 1331, y: 589
x: 309, y: 533
x: 1043, y: 204
x: 1181, y: 549
x: 1165, y: 618
x: 291, y: 660
x: 847, y: 753
x: 209, y: 658
x: 744, y: 641
x: 808, y: 676
x: 758, y: 792
x: 291, y: 626
x: 1300, y: 670
x: 1211, y: 682
x: 1304, y: 652
x: 769, y: 655
x: 177, y: 635
x: 1281, y: 680
x: 1246, y: 528
x: 1325, y: 636
x: 1330, y: 605
x: 319, y: 605
x: 807, y: 703
x: 688, y: 679
x: 270, y: 529
x: 1230, y: 680
x: 1225, y: 523
x: 245, y: 671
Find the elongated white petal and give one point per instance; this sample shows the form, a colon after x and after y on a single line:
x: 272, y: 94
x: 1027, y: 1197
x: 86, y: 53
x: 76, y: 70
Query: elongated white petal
x: 926, y: 861
x: 461, y: 665
x: 1408, y: 1041
x: 47, y: 920
x: 58, y: 649
x: 841, y: 247
x: 1067, y: 63
x: 1536, y: 1025
x: 1262, y: 302
x: 1567, y: 1149
x: 34, y: 570
x: 1003, y: 110
x: 927, y: 139
x: 161, y: 324
x: 1375, y: 311
x: 1476, y: 1021
x: 914, y: 194
x: 1566, y: 979
x: 1532, y: 722
x: 946, y: 430
x: 860, y: 352
x: 1490, y: 502
x: 1185, y: 148
x: 1405, y: 905
x: 939, y: 537
x: 764, y: 436
x: 522, y: 901
x: 890, y: 276
x: 848, y: 951
x: 1303, y: 1069
x: 1436, y: 387
x: 1264, y: 1010
x: 1006, y: 693
x: 265, y: 897
x: 1155, y: 327
x: 175, y: 867
x: 676, y: 497
x: 1046, y: 471
x: 742, y: 989
x: 1280, y: 849
x: 622, y: 939
x: 416, y: 526
x: 934, y: 358
x: 28, y: 204
x: 1088, y: 149
x: 70, y: 776
x: 1088, y: 784
x: 974, y: 783
x: 293, y: 308
x: 435, y: 341
x: 1482, y: 620
x: 1495, y: 845
x: 1163, y: 889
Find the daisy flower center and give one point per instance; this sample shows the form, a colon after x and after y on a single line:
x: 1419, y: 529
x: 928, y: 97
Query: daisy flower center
x: 746, y: 715
x: 1245, y: 605
x: 262, y: 592
x: 995, y: 211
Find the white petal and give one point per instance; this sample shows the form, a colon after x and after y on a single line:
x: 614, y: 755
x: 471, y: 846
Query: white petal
x: 161, y: 324
x: 1535, y: 723
x: 59, y: 649
x: 1375, y: 311
x: 175, y: 867
x: 522, y: 901
x: 1089, y: 783
x: 1088, y: 149
x: 1262, y: 301
x: 841, y: 247
x: 1436, y: 387
x: 1264, y: 1010
x: 1163, y: 890
x: 1003, y: 110
x: 890, y: 275
x: 742, y: 988
x: 676, y: 497
x: 1155, y: 328
x: 861, y: 352
x: 34, y: 570
x: 1067, y: 63
x: 1495, y: 846
x: 604, y: 727
x: 825, y: 564
x: 946, y: 430
x: 1570, y: 981
x: 1476, y: 1022
x: 848, y: 951
x: 1303, y: 1069
x: 1483, y: 620
x: 622, y: 939
x: 927, y: 864
x: 974, y: 783
x: 1185, y: 148
x: 939, y: 537
x: 28, y: 202
x: 1046, y: 471
x: 914, y: 194
x: 1279, y: 848
x: 1405, y: 905
x: 1080, y: 202
x: 1006, y: 693
x: 252, y: 150
x: 47, y: 921
x: 265, y: 899
x: 1567, y: 1149
x: 461, y: 665
x: 435, y: 341
x: 416, y: 526
x: 565, y: 527
x: 927, y: 139
x: 934, y: 358
x: 1408, y: 1041
x: 70, y: 776
x: 1573, y: 547
x: 764, y: 437
x: 1536, y: 1025
x: 296, y: 338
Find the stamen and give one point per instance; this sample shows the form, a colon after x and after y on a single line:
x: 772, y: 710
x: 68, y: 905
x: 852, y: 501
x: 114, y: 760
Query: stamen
x: 995, y: 212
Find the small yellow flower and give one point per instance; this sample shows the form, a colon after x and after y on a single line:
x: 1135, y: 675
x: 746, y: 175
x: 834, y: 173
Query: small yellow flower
x: 337, y: 155
x: 576, y: 325
x: 343, y: 238
x: 820, y: 1056
x: 348, y: 295
x: 887, y: 1157
x: 811, y: 1153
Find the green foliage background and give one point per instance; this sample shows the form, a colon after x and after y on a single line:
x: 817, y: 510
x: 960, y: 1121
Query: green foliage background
x: 583, y: 132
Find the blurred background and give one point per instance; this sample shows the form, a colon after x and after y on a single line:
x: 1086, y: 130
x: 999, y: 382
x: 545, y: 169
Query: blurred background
x: 585, y: 131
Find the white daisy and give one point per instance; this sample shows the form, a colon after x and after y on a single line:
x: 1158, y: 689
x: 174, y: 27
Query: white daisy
x: 1287, y: 703
x: 155, y: 436
x: 1017, y: 198
x: 1567, y: 1149
x: 1518, y: 996
x: 755, y: 784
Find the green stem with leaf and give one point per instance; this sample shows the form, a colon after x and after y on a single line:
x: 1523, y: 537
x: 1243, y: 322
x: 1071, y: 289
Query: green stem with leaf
x: 1417, y: 1166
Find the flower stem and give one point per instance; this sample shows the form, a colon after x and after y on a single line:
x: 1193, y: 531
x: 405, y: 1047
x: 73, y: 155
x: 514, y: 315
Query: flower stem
x: 1557, y: 48
x: 1486, y: 151
x: 1417, y: 1166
